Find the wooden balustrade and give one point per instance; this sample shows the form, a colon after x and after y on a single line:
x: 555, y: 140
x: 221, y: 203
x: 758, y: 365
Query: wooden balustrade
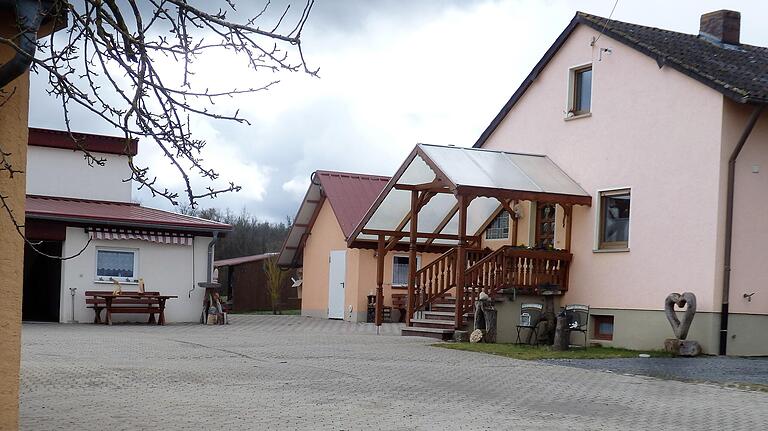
x: 519, y: 268
x: 508, y: 267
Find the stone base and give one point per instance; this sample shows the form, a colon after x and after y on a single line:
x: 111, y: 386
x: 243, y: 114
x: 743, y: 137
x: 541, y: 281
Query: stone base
x: 461, y: 336
x: 682, y: 347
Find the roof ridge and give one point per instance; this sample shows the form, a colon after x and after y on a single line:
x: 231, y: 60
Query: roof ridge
x: 351, y: 174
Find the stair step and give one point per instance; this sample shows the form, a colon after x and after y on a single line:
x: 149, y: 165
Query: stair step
x: 445, y: 300
x: 440, y: 334
x: 444, y: 306
x: 432, y: 323
x: 440, y: 315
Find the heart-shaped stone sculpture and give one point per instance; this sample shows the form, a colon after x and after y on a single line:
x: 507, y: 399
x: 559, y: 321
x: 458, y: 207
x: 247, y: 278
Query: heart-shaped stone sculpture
x: 680, y: 328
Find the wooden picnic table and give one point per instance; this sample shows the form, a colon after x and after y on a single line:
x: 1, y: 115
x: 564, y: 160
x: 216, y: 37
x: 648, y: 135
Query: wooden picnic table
x: 127, y: 302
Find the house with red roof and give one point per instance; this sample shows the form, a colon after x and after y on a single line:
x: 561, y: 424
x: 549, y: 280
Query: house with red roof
x: 86, y: 214
x: 337, y: 280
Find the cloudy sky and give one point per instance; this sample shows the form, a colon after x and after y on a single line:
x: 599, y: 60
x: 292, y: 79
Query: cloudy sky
x: 393, y: 73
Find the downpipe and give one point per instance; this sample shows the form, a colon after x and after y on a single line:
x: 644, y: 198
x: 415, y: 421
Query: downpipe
x: 723, y: 348
x: 29, y: 16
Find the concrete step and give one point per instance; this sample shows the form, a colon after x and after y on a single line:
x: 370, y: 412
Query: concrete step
x: 440, y: 334
x: 432, y: 323
x: 440, y: 315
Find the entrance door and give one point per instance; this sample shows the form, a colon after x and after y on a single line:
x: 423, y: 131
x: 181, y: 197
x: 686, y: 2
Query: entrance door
x: 42, y: 283
x: 336, y: 274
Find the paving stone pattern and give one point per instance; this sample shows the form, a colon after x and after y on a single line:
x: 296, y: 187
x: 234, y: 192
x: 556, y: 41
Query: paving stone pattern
x: 718, y: 369
x: 294, y: 373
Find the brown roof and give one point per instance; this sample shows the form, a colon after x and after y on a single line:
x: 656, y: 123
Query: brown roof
x: 96, y: 143
x: 243, y: 259
x: 114, y: 213
x: 350, y: 195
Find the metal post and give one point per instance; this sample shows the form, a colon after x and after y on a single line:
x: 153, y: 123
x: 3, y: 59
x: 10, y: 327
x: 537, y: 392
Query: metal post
x: 72, y: 291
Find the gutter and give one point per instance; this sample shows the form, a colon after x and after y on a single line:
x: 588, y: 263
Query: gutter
x: 29, y: 16
x: 729, y: 227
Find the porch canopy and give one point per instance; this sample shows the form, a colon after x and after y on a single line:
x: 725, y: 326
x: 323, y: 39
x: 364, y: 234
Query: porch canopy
x: 435, y: 181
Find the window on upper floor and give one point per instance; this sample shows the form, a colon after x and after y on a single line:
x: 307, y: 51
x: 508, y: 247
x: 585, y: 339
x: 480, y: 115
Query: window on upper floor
x: 613, y: 228
x: 499, y: 227
x: 580, y: 97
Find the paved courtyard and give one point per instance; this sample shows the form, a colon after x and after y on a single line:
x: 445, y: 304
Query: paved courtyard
x: 289, y: 372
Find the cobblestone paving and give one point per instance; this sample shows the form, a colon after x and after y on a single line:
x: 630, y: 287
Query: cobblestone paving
x: 275, y: 373
x: 703, y: 369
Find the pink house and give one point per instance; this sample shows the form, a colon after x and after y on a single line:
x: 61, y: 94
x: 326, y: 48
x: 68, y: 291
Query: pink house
x: 635, y: 153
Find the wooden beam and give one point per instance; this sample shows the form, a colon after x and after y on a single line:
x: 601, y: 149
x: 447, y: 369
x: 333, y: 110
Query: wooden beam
x: 412, y: 257
x: 380, y: 281
x: 434, y: 185
x: 400, y: 235
x: 424, y: 198
x: 461, y: 261
x: 553, y: 198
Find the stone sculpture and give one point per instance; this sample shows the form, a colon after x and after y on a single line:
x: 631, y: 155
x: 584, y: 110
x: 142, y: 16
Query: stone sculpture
x: 679, y: 345
x: 485, y: 318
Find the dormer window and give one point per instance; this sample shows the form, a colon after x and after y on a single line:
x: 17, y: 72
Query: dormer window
x: 580, y: 97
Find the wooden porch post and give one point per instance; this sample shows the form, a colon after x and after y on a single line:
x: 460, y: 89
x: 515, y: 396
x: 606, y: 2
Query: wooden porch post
x: 461, y: 262
x: 380, y: 281
x: 412, y: 257
x: 514, y: 224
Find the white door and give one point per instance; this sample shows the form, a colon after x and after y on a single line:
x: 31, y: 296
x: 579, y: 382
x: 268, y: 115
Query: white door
x: 336, y: 273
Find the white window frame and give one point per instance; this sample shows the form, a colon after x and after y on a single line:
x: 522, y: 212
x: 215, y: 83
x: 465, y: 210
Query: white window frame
x: 599, y: 210
x: 418, y: 266
x: 569, y: 102
x: 104, y: 279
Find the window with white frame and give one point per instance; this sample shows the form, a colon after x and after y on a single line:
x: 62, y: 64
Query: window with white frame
x: 400, y: 270
x: 613, y: 227
x: 117, y: 264
x: 499, y: 227
x: 580, y: 90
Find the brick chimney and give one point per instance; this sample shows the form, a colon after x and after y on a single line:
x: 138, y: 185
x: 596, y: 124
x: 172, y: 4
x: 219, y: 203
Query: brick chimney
x: 721, y: 26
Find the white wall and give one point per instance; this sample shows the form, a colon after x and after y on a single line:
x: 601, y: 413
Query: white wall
x: 164, y: 268
x: 60, y: 172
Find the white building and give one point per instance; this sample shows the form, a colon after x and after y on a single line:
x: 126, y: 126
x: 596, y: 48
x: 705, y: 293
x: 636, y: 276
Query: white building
x: 74, y: 209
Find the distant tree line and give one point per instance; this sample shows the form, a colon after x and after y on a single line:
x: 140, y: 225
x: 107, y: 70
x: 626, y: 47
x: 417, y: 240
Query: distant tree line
x: 249, y: 235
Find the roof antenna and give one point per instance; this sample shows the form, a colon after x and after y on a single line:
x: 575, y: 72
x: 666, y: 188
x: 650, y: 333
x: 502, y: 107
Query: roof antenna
x: 595, y: 39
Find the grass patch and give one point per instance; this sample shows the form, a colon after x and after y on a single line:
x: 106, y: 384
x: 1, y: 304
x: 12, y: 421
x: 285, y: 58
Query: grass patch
x: 269, y: 312
x: 533, y: 353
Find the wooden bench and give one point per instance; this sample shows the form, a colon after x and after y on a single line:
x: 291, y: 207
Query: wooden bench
x: 151, y: 303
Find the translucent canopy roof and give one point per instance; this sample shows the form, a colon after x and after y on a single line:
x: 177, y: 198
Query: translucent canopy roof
x: 441, y: 174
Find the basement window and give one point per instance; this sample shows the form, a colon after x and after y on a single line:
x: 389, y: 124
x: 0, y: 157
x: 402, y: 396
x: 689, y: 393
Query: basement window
x: 603, y: 328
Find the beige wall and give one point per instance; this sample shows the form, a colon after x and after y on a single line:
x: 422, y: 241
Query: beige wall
x: 13, y: 140
x: 632, y: 139
x: 360, y: 279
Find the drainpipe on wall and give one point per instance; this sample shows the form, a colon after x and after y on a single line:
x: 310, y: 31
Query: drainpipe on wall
x: 729, y: 227
x: 211, y: 244
x: 29, y: 16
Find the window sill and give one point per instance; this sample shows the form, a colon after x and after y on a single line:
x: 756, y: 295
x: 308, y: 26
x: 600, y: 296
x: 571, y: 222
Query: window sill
x: 576, y: 117
x: 130, y: 283
x: 399, y: 286
x: 611, y: 250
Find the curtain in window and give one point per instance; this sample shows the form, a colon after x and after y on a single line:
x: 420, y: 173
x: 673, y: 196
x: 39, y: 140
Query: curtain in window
x: 114, y: 263
x: 400, y: 271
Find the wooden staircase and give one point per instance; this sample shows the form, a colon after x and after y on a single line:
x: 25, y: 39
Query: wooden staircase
x: 436, y: 322
x: 526, y: 270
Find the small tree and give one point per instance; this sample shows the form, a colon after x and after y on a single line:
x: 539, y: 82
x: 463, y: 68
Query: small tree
x: 275, y: 279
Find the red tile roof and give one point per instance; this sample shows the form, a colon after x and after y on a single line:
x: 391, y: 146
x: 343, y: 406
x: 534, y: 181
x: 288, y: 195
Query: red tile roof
x: 244, y: 259
x: 114, y: 213
x: 96, y: 143
x: 350, y: 195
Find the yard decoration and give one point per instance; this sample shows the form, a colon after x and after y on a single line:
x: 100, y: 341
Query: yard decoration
x: 679, y: 345
x: 118, y: 287
x: 485, y: 318
x: 476, y: 336
x: 275, y: 278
